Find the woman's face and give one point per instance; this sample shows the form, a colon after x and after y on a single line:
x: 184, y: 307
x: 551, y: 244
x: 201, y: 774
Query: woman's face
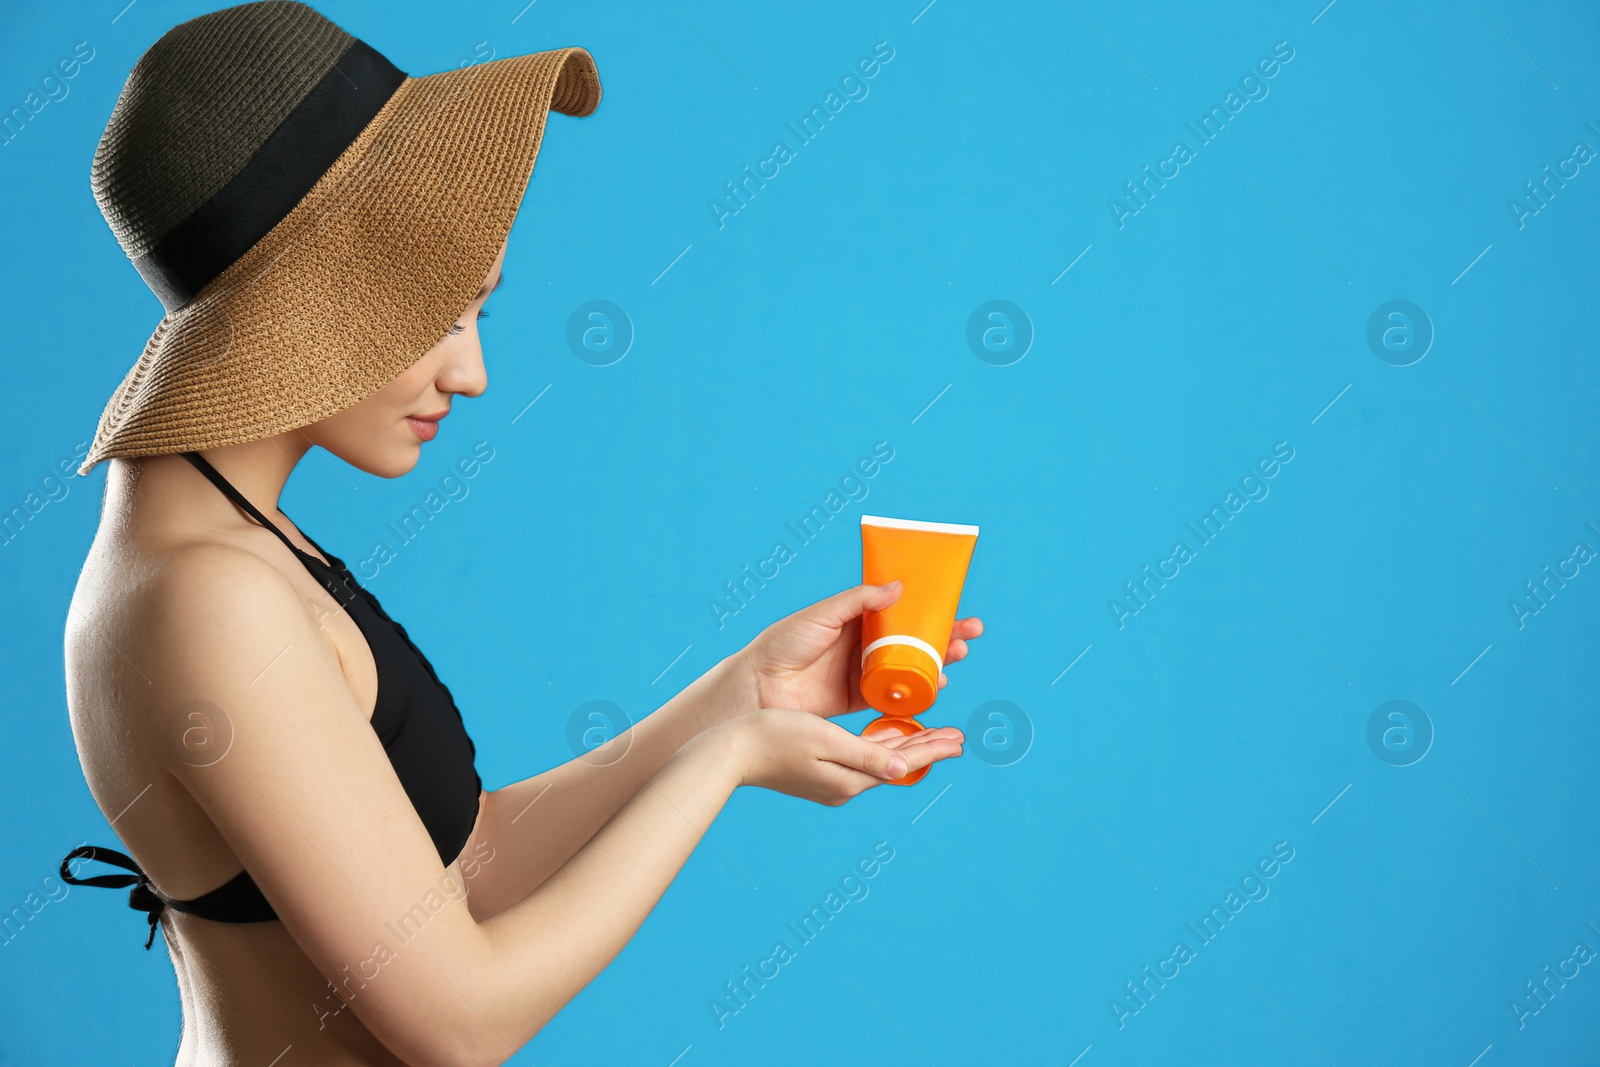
x: 383, y: 433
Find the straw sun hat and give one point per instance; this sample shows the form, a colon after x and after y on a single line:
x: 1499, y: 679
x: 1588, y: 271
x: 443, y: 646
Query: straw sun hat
x: 312, y: 218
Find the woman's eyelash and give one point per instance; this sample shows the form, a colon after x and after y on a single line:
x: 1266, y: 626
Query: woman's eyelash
x: 457, y: 328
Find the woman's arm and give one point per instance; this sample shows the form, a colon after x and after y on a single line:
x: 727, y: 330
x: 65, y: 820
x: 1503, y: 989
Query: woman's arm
x: 809, y: 660
x: 536, y: 825
x: 309, y: 803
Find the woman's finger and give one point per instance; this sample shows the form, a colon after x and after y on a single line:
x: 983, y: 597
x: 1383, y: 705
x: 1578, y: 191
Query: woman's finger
x: 915, y: 756
x: 848, y: 780
x: 865, y: 754
x: 942, y: 733
x: 925, y: 750
x: 841, y: 607
x: 962, y: 631
x: 899, y: 740
x: 904, y: 743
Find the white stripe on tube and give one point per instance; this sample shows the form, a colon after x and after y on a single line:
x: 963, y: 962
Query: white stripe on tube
x: 905, y: 639
x: 919, y: 524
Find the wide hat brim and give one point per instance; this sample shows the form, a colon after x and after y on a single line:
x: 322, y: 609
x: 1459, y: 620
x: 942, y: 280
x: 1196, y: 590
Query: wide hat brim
x: 363, y: 276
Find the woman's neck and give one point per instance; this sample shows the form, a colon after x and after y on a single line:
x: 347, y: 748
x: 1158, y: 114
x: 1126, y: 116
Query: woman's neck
x: 158, y: 488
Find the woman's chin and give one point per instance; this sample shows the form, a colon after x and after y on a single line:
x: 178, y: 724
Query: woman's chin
x: 391, y: 461
x: 401, y: 461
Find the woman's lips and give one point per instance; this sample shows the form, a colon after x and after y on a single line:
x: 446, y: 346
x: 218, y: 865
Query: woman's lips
x: 425, y: 427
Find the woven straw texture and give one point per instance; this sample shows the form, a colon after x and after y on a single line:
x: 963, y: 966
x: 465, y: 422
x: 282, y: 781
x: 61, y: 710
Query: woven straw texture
x: 367, y: 273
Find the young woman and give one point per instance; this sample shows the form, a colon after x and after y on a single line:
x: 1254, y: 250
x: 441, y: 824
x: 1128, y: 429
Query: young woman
x: 293, y: 782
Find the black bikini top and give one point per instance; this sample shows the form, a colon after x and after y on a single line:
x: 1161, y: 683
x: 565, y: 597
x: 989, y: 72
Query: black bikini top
x: 416, y: 720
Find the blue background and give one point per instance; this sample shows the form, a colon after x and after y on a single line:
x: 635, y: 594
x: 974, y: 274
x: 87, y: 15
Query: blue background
x: 1228, y: 314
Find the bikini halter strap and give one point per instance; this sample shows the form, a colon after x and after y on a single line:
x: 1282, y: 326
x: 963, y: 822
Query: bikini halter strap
x: 204, y: 466
x: 340, y: 584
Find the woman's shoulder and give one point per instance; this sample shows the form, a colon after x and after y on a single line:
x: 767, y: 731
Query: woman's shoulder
x: 147, y: 618
x: 170, y: 583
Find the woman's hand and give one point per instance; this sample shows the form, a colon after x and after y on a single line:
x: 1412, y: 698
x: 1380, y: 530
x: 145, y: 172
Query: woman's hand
x: 811, y: 660
x: 803, y: 755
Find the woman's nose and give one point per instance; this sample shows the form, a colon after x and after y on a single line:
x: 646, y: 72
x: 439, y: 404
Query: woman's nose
x: 464, y: 372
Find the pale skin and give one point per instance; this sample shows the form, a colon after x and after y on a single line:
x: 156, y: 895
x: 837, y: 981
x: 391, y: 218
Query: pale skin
x: 184, y: 597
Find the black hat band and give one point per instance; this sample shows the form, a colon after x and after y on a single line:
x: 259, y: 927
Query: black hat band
x: 276, y: 178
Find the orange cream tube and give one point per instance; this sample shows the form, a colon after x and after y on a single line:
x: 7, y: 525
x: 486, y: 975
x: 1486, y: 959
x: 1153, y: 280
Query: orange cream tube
x: 903, y: 646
